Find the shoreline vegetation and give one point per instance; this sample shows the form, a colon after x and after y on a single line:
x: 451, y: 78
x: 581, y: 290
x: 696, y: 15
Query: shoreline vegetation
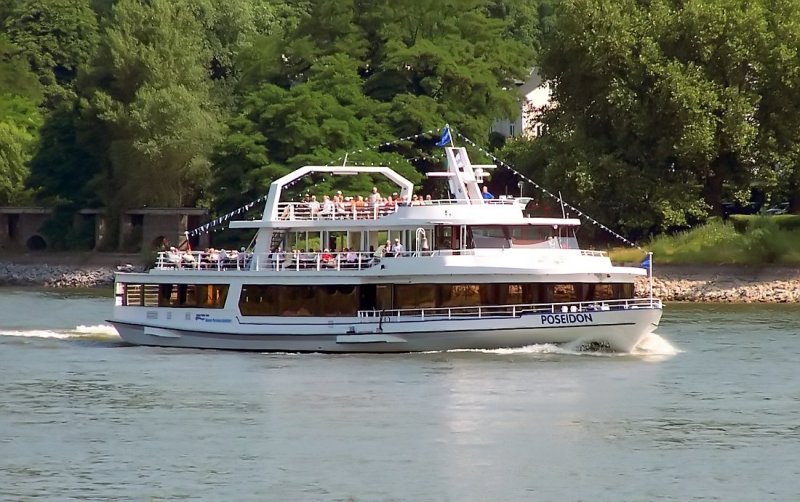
x: 678, y: 283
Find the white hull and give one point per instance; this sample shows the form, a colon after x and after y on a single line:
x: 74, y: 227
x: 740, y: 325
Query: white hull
x: 621, y: 330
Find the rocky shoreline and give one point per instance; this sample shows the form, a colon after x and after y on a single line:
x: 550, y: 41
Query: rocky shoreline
x: 724, y: 284
x: 60, y: 276
x: 671, y: 283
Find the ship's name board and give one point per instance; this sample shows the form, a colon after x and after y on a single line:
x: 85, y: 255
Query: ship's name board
x: 566, y: 318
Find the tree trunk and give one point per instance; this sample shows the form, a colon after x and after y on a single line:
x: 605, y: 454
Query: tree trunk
x: 712, y: 189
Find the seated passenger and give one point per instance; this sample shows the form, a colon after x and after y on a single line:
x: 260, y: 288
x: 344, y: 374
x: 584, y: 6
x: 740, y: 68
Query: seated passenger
x: 351, y: 257
x: 326, y: 259
x: 173, y: 257
x: 387, y: 249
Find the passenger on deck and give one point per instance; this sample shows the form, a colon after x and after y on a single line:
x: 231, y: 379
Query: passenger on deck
x: 358, y: 207
x: 314, y: 207
x: 398, y: 249
x: 486, y: 193
x: 327, y: 208
x: 173, y: 257
x: 351, y: 257
x: 387, y: 249
x: 339, y: 204
x: 326, y: 259
x: 375, y: 196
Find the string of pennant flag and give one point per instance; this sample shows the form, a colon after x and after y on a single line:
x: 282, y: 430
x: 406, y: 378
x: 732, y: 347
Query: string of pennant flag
x: 206, y: 228
x: 547, y: 192
x: 211, y: 226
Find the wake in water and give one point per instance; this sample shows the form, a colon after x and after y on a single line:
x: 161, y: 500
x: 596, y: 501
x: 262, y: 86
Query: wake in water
x: 100, y: 332
x: 652, y: 347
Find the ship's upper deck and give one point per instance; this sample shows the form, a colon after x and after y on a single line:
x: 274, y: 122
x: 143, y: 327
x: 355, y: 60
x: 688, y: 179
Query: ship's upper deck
x: 465, y: 205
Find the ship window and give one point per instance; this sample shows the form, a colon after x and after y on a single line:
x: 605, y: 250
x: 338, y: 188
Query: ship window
x: 296, y: 301
x: 209, y: 296
x: 133, y: 295
x: 257, y: 299
x: 623, y: 290
x: 337, y: 300
x: 564, y: 293
x: 412, y: 296
x: 151, y: 295
x: 530, y: 235
x: 488, y: 237
x: 383, y: 297
x: 299, y: 301
x: 602, y: 292
x: 459, y: 295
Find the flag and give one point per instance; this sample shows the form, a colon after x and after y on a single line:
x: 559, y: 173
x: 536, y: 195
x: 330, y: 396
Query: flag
x: 647, y: 263
x: 445, y: 139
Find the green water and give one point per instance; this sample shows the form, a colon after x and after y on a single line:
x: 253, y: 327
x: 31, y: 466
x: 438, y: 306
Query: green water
x: 706, y: 409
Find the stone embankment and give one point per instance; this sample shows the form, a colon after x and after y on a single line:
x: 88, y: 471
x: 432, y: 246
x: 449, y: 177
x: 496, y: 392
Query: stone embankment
x: 724, y: 284
x: 60, y: 273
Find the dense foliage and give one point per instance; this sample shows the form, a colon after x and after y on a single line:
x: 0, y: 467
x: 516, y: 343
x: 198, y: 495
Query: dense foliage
x: 665, y: 108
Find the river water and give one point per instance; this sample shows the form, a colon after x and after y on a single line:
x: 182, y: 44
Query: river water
x: 706, y: 409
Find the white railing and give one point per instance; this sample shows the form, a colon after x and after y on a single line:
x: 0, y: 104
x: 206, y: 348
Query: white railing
x: 199, y: 260
x: 499, y: 311
x: 319, y: 261
x: 321, y: 210
x: 304, y: 211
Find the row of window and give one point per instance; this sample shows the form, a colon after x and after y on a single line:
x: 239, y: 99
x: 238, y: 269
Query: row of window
x: 347, y: 300
x: 207, y: 296
x: 325, y: 301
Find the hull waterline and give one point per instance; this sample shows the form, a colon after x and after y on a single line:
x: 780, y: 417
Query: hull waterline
x: 398, y: 337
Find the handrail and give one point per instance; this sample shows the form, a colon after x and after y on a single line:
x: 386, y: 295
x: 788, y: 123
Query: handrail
x: 304, y: 211
x: 287, y: 260
x: 516, y: 310
x: 220, y: 261
x: 312, y: 211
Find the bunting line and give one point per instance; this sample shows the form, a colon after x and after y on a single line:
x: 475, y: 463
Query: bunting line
x: 210, y: 226
x: 547, y: 192
x: 206, y: 228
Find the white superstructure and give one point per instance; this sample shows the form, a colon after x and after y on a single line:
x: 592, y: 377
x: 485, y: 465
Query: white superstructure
x: 468, y: 273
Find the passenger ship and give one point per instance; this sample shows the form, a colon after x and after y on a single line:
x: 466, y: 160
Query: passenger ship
x: 471, y: 274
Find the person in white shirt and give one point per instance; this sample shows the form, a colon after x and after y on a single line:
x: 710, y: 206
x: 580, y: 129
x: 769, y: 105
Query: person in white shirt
x: 374, y: 197
x: 398, y: 249
x: 314, y: 207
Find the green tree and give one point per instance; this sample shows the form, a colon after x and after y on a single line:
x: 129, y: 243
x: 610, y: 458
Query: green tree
x: 57, y: 37
x: 20, y: 119
x: 356, y: 73
x: 155, y: 98
x: 657, y: 106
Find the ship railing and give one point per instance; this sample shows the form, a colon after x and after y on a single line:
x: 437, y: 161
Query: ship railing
x: 204, y: 260
x: 303, y: 211
x: 316, y: 261
x: 286, y: 260
x: 518, y: 310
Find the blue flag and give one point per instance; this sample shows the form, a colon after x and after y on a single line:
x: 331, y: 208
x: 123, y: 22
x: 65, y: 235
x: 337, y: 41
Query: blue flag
x: 445, y: 139
x: 646, y: 263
